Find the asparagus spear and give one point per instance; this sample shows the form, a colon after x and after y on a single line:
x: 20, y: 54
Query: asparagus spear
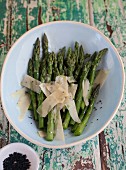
x: 70, y: 63
x: 32, y: 94
x: 60, y: 58
x: 50, y: 127
x: 49, y: 67
x: 76, y: 47
x: 92, y: 72
x: 55, y: 67
x: 41, y: 96
x: 50, y: 122
x: 35, y: 59
x: 94, y: 67
x: 80, y: 63
x: 82, y: 112
x: 45, y: 45
x: 43, y: 74
x: 30, y: 107
x: 78, y: 96
x: 35, y: 69
x: 85, y: 119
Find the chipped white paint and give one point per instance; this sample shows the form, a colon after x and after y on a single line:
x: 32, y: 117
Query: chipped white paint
x: 14, y: 3
x: 124, y: 133
x: 49, y: 10
x: 78, y: 4
x: 96, y: 153
x: 19, y: 17
x: 24, y: 3
x: 121, y: 8
x: 62, y: 10
x: 91, y: 17
x: 116, y: 137
x: 32, y: 4
x: 52, y: 160
x: 117, y: 38
x: 5, y: 26
x: 31, y: 18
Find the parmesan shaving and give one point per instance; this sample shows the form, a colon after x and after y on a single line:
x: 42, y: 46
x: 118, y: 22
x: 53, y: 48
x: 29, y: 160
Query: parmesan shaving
x: 85, y: 87
x: 31, y: 83
x: 70, y: 104
x: 101, y: 77
x: 71, y: 80
x: 52, y: 87
x: 23, y: 105
x: 59, y: 127
x: 62, y: 81
x: 72, y: 89
x: 19, y: 93
x: 52, y: 100
x: 41, y: 133
x: 44, y: 89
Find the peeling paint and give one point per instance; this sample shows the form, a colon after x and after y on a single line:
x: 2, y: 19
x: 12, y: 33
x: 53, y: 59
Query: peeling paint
x: 78, y: 4
x: 109, y: 17
x: 49, y: 10
x: 121, y: 8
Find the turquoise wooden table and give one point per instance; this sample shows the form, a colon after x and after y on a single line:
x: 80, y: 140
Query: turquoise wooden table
x: 107, y: 151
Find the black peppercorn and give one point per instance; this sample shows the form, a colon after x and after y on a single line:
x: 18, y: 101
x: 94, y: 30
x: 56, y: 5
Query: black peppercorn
x: 16, y: 161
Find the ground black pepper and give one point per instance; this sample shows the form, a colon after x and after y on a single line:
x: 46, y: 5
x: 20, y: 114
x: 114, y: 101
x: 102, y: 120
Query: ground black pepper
x: 16, y: 161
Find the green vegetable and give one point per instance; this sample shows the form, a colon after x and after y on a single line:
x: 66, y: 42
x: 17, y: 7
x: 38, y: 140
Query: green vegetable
x: 30, y: 107
x: 32, y: 94
x: 43, y: 74
x: 92, y: 72
x: 36, y: 58
x: 82, y: 112
x: 60, y: 59
x: 78, y: 96
x: 76, y: 64
x: 50, y: 127
x: 70, y: 63
x: 41, y: 96
x: 49, y: 67
x: 45, y: 45
x: 55, y: 67
x: 80, y: 63
x: 76, y: 51
x: 50, y: 123
x: 86, y: 117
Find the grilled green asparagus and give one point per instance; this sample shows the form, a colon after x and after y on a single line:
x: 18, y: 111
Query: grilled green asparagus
x: 86, y: 117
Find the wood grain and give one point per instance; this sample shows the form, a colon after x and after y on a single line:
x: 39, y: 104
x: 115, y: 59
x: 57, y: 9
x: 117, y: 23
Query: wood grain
x: 108, y: 150
x: 5, y: 43
x: 110, y: 19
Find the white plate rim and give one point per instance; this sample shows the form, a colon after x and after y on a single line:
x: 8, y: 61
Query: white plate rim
x: 21, y: 145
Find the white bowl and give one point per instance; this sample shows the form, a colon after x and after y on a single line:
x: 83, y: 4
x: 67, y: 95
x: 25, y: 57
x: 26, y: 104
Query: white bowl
x: 20, y: 148
x: 62, y: 33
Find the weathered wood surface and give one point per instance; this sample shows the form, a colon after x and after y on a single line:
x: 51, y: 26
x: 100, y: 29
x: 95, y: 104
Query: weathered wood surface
x: 108, y: 149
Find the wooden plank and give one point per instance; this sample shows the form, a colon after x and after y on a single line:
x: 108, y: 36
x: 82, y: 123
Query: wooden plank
x: 26, y: 15
x: 78, y: 157
x: 5, y: 43
x: 109, y: 17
